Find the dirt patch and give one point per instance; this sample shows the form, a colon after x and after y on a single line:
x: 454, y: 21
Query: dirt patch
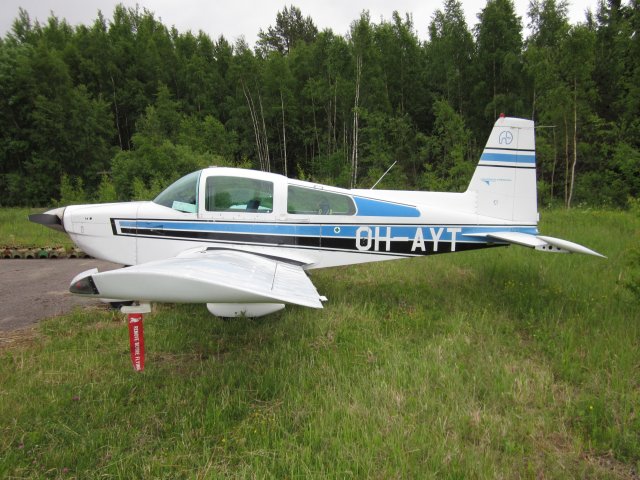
x: 32, y: 290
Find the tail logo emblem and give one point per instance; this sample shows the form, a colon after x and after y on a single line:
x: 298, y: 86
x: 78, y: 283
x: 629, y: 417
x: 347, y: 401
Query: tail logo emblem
x: 505, y: 138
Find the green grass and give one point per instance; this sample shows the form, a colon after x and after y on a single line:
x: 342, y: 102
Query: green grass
x: 505, y: 363
x: 17, y: 231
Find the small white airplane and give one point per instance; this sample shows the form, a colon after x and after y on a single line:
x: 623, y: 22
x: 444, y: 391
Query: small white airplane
x: 241, y: 241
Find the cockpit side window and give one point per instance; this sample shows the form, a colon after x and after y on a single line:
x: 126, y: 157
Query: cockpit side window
x: 238, y: 194
x: 309, y: 201
x: 182, y: 194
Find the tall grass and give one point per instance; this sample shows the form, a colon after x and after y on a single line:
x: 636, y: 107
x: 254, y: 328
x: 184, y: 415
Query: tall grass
x: 503, y: 363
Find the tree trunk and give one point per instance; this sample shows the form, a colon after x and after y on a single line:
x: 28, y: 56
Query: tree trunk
x: 284, y: 135
x: 575, y: 141
x: 555, y: 161
x: 335, y: 116
x: 315, y: 127
x: 533, y: 106
x: 354, y: 151
x: 495, y: 112
x: 566, y: 161
x: 329, y: 113
x: 254, y: 122
x: 264, y: 136
x: 115, y: 105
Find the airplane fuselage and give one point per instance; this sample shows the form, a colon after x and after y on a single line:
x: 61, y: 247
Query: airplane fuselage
x: 374, y: 226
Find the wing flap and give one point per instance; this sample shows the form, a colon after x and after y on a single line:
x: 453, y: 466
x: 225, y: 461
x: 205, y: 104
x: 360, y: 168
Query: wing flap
x: 210, y: 277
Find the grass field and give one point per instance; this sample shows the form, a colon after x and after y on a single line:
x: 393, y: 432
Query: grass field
x: 504, y: 363
x: 17, y: 231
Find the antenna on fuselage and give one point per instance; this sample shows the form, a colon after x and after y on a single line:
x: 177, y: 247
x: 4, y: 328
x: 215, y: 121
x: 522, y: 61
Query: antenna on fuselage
x: 374, y: 185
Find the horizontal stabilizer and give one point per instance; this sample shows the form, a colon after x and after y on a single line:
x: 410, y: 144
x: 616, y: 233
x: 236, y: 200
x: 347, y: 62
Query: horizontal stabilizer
x: 517, y: 238
x: 539, y: 242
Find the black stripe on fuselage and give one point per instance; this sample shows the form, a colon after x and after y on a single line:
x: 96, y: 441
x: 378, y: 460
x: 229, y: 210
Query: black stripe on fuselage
x: 394, y: 247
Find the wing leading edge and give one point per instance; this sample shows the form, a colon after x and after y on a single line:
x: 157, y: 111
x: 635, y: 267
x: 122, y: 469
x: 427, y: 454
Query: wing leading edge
x: 219, y: 276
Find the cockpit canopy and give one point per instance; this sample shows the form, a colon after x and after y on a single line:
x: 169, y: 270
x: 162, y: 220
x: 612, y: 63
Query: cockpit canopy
x: 229, y: 191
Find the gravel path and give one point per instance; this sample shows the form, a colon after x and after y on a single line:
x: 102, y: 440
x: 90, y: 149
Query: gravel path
x: 31, y: 290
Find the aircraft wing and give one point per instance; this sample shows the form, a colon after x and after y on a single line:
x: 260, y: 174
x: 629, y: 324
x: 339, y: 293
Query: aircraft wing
x: 539, y: 242
x: 205, y: 276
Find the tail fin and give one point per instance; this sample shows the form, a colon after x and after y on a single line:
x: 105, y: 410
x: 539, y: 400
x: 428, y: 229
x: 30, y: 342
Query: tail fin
x: 505, y: 178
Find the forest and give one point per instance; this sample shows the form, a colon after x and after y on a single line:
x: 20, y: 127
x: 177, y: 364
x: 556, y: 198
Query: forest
x: 120, y: 108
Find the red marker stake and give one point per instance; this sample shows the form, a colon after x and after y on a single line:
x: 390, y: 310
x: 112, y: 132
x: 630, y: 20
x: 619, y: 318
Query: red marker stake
x: 136, y: 341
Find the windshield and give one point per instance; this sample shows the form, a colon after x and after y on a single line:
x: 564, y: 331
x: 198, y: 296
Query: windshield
x: 182, y: 194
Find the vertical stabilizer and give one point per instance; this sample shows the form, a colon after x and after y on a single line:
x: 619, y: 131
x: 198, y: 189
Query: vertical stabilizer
x: 505, y: 178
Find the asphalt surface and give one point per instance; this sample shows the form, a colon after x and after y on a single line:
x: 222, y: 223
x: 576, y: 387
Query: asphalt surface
x: 32, y: 290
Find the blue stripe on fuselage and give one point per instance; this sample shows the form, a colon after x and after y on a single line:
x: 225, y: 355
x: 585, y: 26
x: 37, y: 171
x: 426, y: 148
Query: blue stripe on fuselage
x: 266, y: 228
x: 443, y: 232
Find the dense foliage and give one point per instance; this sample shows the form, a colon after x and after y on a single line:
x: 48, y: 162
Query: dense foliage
x: 119, y: 108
